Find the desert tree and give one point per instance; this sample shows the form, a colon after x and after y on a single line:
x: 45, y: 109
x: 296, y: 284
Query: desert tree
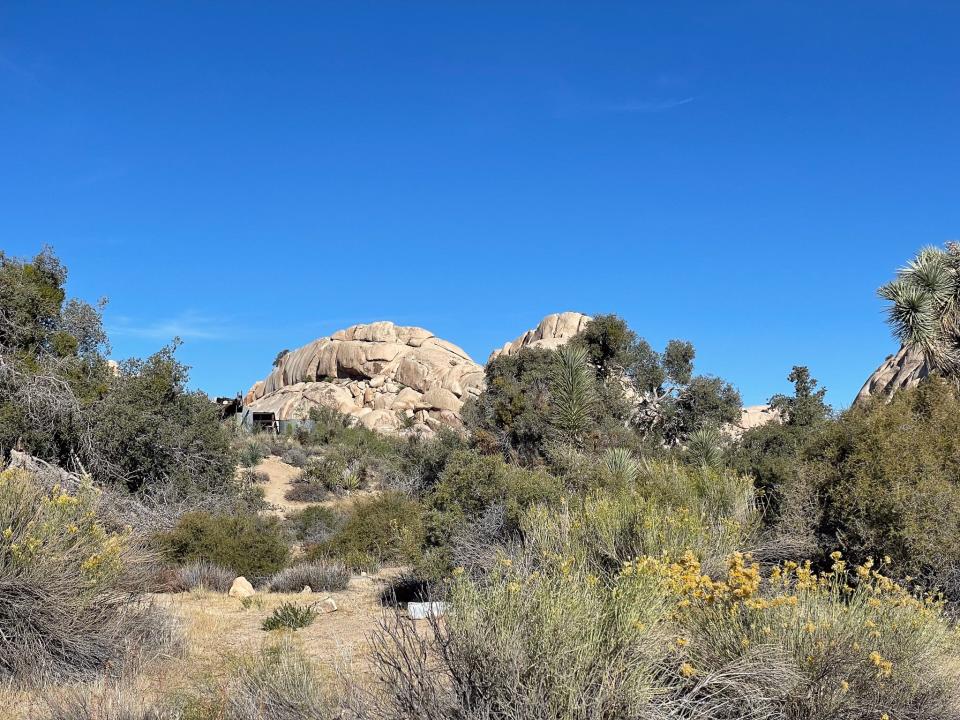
x: 924, y: 310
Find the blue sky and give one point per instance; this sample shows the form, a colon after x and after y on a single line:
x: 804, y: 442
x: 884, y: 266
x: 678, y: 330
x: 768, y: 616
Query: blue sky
x: 252, y: 176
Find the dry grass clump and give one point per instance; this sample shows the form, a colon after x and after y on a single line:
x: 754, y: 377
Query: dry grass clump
x: 112, y: 702
x: 70, y: 603
x: 322, y: 575
x: 203, y: 575
x: 277, y: 683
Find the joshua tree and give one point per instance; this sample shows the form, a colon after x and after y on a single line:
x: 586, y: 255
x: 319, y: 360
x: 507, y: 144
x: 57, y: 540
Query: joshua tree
x: 925, y: 307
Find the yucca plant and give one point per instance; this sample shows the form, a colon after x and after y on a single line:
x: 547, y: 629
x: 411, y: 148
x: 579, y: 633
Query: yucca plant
x: 924, y: 301
x: 572, y: 390
x: 705, y: 446
x: 620, y: 467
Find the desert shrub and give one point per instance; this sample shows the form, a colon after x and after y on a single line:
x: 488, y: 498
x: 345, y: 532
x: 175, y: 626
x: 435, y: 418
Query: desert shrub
x: 52, y: 366
x: 477, y: 503
x: 249, y: 545
x: 277, y: 683
x: 203, y: 574
x: 69, y: 608
x: 514, y: 408
x: 314, y: 524
x: 253, y: 477
x: 671, y: 510
x: 470, y: 483
x: 306, y: 490
x: 420, y: 460
x: 888, y: 480
x: 109, y: 702
x: 295, y: 456
x: 252, y: 450
x: 332, y: 428
x: 384, y: 528
x: 330, y: 471
x: 321, y: 575
x: 773, y: 453
x: 290, y: 616
x: 549, y: 635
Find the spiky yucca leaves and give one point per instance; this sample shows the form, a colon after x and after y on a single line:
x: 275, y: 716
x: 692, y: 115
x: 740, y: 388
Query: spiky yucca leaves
x: 924, y: 306
x: 574, y: 396
x: 620, y: 468
x: 705, y: 446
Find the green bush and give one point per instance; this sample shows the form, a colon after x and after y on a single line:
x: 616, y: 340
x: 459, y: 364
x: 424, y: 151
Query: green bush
x: 314, y: 524
x: 470, y: 483
x: 384, y: 528
x: 888, y: 477
x: 250, y: 545
x: 160, y: 437
x: 290, y: 616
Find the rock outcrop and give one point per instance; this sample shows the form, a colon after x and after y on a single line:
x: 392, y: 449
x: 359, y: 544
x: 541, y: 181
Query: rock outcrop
x: 752, y: 416
x: 380, y: 374
x: 552, y: 332
x: 904, y: 370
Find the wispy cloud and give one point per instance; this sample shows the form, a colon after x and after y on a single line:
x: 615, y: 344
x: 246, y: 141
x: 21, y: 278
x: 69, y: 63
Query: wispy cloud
x: 188, y: 325
x: 572, y: 106
x: 652, y: 105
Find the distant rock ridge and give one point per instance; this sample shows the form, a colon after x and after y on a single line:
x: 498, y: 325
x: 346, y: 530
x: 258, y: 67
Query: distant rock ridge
x: 552, y: 332
x: 386, y: 376
x: 903, y: 370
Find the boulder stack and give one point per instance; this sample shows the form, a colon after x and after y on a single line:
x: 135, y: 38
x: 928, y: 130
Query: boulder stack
x: 384, y: 375
x: 552, y: 332
x: 904, y: 370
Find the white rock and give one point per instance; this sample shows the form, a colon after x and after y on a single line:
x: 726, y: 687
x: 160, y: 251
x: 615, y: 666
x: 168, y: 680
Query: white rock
x: 241, y: 588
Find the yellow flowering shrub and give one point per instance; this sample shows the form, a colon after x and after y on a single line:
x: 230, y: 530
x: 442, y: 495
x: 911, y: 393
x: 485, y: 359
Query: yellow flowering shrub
x: 666, y: 631
x: 66, y: 586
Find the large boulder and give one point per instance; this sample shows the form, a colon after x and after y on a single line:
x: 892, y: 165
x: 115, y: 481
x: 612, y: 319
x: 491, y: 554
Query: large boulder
x: 904, y: 370
x: 552, y: 332
x: 374, y: 373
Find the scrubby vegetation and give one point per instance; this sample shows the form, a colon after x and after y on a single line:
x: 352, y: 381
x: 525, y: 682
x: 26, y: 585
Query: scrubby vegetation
x: 319, y: 575
x: 607, y: 543
x: 291, y: 616
x: 250, y: 545
x: 69, y: 608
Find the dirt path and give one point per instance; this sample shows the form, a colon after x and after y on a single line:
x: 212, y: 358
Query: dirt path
x: 281, y: 477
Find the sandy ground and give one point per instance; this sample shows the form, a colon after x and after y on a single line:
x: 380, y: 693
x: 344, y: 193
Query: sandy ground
x: 281, y: 477
x: 219, y: 630
x: 218, y: 625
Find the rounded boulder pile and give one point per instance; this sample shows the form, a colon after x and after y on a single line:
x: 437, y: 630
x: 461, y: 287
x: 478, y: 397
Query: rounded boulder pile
x: 386, y: 376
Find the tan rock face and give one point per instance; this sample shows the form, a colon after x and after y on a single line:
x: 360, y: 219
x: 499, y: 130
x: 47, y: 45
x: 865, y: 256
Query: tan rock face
x: 375, y: 373
x: 552, y: 332
x: 904, y: 370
